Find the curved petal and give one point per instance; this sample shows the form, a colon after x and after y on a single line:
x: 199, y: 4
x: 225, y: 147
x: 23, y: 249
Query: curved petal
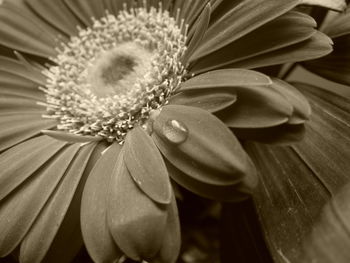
x: 38, y: 240
x: 283, y: 134
x: 202, y: 147
x: 20, y: 32
x: 21, y: 161
x: 226, y: 78
x: 98, y: 240
x: 243, y: 18
x: 146, y: 166
x: 257, y: 107
x: 211, y: 100
x: 70, y: 137
x: 172, y: 238
x: 301, y: 107
x: 25, y: 203
x: 136, y: 222
x: 223, y: 193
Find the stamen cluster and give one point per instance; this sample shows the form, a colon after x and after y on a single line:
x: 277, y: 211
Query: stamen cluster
x: 69, y: 93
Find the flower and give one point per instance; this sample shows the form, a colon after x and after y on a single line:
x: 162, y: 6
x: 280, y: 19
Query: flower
x: 100, y: 113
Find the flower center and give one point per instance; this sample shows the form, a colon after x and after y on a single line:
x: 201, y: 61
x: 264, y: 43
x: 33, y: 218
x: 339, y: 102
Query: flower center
x: 112, y: 75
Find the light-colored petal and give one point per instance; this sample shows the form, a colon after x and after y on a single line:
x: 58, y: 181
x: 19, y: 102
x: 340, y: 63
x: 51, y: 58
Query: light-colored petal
x: 146, y: 166
x: 136, y: 222
x: 98, y: 240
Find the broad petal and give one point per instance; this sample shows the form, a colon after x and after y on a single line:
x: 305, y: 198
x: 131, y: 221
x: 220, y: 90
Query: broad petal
x: 25, y: 203
x: 207, y: 152
x: 97, y: 238
x: 284, y: 134
x: 146, y: 166
x: 257, y: 107
x: 172, y: 238
x: 226, y: 78
x: 20, y: 32
x: 38, y: 240
x: 136, y: 222
x: 243, y: 18
x: 338, y: 5
x: 21, y: 161
x: 301, y: 107
x: 211, y: 100
x: 223, y: 193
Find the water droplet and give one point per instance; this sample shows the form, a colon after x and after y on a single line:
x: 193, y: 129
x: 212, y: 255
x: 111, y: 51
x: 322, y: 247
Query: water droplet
x: 175, y: 131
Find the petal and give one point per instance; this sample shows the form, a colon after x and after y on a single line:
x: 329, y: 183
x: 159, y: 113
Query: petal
x: 13, y: 103
x: 338, y: 5
x: 25, y: 203
x: 97, y: 238
x: 223, y: 193
x: 38, y: 240
x: 15, y: 128
x: 20, y: 32
x: 136, y: 223
x: 69, y: 137
x: 301, y: 107
x: 146, y: 166
x: 318, y: 45
x: 208, y: 153
x: 288, y: 199
x: 212, y: 100
x: 283, y: 134
x: 257, y: 107
x: 243, y: 18
x: 226, y: 78
x: 20, y: 162
x: 172, y: 238
x: 58, y: 15
x: 286, y: 30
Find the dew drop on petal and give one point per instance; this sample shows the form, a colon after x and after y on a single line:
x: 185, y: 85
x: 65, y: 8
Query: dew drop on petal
x: 175, y: 131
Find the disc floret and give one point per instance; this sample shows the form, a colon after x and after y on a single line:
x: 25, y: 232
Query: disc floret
x: 111, y: 75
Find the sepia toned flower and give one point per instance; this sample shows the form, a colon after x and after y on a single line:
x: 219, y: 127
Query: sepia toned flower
x: 108, y: 103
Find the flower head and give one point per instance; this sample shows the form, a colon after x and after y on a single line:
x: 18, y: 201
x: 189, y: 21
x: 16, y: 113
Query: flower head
x: 131, y: 94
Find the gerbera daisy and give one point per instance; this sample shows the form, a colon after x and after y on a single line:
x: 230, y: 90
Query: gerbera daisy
x: 108, y: 100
